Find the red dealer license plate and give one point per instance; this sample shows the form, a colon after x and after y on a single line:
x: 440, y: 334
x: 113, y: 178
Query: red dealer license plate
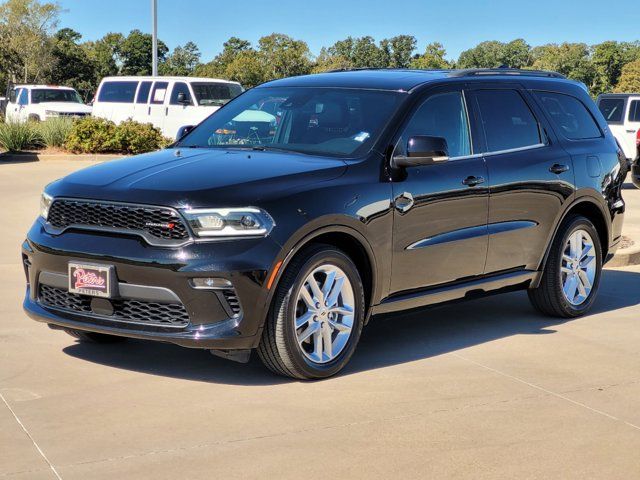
x: 91, y: 279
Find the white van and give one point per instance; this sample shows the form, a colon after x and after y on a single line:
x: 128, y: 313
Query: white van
x: 167, y: 102
x: 39, y: 102
x: 622, y: 112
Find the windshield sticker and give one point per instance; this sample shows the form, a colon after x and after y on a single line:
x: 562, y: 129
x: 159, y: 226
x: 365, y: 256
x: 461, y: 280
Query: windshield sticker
x: 361, y: 137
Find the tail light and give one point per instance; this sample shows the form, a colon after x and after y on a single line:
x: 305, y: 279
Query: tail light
x: 638, y: 139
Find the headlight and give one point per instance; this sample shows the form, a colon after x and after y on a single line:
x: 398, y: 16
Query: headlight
x: 45, y: 203
x: 229, y: 222
x: 51, y: 113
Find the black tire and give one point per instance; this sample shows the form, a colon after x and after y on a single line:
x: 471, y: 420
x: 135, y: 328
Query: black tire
x: 548, y: 297
x: 92, y: 337
x: 279, y: 349
x: 34, y: 118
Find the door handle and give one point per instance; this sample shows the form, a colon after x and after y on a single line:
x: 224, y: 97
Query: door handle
x: 558, y: 168
x: 472, y: 181
x: 403, y: 202
x: 631, y: 131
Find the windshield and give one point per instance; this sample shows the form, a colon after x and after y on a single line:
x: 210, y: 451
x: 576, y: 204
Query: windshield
x: 330, y: 121
x: 41, y: 95
x: 215, y: 93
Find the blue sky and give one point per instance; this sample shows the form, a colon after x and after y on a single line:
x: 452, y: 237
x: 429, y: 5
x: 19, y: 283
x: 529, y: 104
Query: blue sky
x: 457, y: 24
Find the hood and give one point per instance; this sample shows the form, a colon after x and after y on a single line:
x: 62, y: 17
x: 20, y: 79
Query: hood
x: 66, y: 107
x: 198, y: 178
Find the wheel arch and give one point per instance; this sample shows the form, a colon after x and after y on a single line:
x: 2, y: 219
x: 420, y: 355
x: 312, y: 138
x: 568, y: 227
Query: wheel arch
x: 352, y: 243
x: 589, y: 208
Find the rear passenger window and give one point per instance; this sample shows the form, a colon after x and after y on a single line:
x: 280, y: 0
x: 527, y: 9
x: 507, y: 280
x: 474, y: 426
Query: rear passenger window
x: 634, y: 111
x: 612, y: 109
x: 569, y: 115
x: 179, y: 88
x: 118, y: 92
x: 507, y: 120
x: 143, y: 92
x: 159, y: 92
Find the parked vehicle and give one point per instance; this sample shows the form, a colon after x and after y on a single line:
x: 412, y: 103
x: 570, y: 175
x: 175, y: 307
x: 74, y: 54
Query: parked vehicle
x: 357, y: 193
x: 167, y: 102
x: 622, y: 113
x: 39, y: 102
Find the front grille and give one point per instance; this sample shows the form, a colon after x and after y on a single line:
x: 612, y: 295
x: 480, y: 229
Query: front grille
x: 232, y: 300
x: 157, y: 222
x: 127, y: 310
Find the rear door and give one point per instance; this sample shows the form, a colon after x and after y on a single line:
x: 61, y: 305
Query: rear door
x: 141, y: 107
x: 530, y: 177
x: 158, y: 104
x: 633, y: 126
x: 440, y: 216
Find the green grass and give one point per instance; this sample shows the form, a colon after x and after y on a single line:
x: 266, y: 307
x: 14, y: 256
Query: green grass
x: 15, y: 136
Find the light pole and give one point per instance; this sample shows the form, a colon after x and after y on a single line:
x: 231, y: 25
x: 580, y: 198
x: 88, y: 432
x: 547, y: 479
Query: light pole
x: 154, y: 21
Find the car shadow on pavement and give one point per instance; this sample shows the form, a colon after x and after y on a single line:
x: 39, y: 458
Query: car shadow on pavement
x: 386, y: 341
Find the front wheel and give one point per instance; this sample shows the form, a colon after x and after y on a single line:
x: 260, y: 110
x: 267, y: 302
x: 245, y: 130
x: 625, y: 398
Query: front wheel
x: 572, y: 274
x: 317, y: 315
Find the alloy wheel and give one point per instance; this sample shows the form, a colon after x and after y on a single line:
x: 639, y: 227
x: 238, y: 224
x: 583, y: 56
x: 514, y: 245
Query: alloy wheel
x: 324, y: 313
x: 578, y: 269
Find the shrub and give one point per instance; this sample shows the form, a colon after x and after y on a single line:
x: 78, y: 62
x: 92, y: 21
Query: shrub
x: 133, y: 137
x: 54, y: 131
x: 17, y: 136
x: 97, y: 135
x: 92, y: 135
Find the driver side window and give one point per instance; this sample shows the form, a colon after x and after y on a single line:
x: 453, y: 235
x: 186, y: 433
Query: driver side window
x: 442, y: 115
x: 23, y: 97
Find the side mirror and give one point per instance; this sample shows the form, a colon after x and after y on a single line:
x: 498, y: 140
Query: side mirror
x: 423, y: 150
x: 183, y: 98
x: 182, y: 131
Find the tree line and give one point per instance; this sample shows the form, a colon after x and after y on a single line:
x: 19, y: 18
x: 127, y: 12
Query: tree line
x: 33, y: 49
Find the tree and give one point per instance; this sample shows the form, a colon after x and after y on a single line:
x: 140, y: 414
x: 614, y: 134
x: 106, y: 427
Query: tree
x: 493, y: 54
x: 327, y: 62
x: 28, y: 26
x: 630, y: 78
x: 400, y: 50
x: 569, y: 59
x: 135, y: 52
x: 218, y: 66
x: 247, y: 68
x: 71, y: 64
x: 104, y: 55
x: 361, y: 52
x: 432, y: 58
x: 182, y: 61
x: 283, y: 56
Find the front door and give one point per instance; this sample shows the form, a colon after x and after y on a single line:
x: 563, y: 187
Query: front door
x: 440, y: 219
x: 178, y: 111
x: 157, y: 104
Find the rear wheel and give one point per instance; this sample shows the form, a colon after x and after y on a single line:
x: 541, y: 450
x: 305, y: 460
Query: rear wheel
x: 92, y: 337
x: 572, y: 274
x: 317, y: 315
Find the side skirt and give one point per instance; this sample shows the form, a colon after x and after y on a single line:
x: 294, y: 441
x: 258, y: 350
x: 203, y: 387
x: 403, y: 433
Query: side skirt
x: 448, y: 293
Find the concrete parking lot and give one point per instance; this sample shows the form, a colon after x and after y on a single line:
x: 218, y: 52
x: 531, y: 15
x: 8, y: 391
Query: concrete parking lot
x: 485, y: 389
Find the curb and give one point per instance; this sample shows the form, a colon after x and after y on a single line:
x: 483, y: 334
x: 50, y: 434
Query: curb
x: 626, y: 257
x: 37, y: 157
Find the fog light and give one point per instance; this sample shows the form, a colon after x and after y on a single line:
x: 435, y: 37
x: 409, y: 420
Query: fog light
x: 210, y: 283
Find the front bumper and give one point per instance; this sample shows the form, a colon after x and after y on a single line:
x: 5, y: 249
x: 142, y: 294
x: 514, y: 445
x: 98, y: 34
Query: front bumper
x: 145, y: 271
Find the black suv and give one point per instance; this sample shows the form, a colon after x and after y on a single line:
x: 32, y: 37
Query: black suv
x: 288, y: 218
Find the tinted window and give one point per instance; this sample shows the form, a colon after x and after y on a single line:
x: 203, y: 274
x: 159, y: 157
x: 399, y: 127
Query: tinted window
x: 143, y: 92
x: 569, y: 115
x: 324, y: 121
x: 117, y: 92
x: 507, y: 120
x: 215, y: 93
x: 612, y: 109
x: 177, y: 89
x: 445, y: 116
x: 159, y: 92
x: 634, y: 111
x: 43, y: 95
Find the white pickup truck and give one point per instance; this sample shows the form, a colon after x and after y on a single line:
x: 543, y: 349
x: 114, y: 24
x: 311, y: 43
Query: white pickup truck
x: 622, y: 112
x: 39, y: 102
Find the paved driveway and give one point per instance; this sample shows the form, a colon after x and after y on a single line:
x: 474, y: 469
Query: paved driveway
x: 486, y: 389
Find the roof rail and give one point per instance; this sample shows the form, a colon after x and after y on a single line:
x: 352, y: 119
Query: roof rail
x: 350, y: 69
x: 476, y: 72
